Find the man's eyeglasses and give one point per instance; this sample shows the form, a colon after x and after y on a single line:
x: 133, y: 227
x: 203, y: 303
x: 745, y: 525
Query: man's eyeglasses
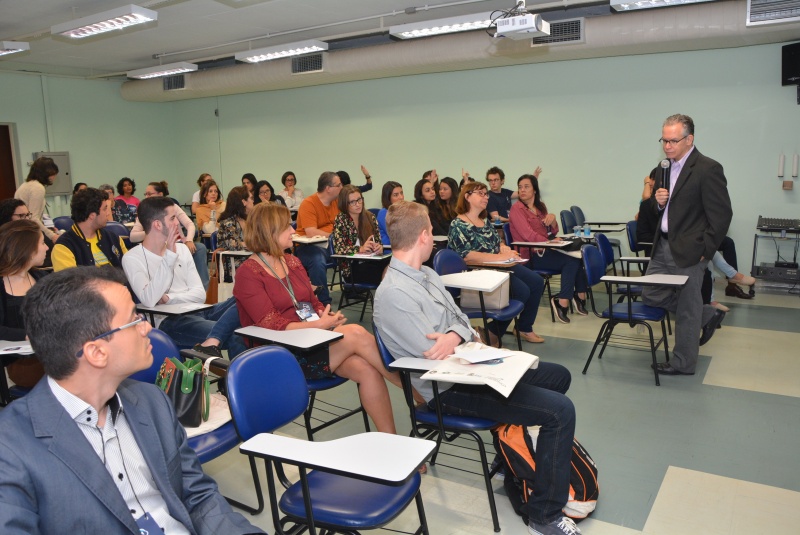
x: 139, y: 319
x: 27, y: 215
x: 339, y: 185
x: 479, y: 193
x: 672, y: 142
x: 356, y: 202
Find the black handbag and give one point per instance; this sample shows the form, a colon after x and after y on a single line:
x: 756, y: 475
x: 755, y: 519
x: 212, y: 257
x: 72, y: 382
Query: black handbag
x: 187, y: 386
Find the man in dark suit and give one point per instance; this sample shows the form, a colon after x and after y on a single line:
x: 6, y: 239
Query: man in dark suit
x: 694, y: 214
x: 88, y: 450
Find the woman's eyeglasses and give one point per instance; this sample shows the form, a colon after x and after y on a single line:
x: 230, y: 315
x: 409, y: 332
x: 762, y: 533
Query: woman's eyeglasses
x: 356, y: 202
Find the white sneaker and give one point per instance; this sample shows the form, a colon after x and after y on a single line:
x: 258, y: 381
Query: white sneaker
x: 560, y: 526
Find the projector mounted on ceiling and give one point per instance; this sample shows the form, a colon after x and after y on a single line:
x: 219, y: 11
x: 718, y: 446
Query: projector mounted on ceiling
x: 522, y: 27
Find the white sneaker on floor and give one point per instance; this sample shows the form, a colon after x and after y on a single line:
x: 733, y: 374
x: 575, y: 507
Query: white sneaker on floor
x: 560, y: 526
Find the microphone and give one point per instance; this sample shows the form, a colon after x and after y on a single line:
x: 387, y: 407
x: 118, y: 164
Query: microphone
x: 665, y: 174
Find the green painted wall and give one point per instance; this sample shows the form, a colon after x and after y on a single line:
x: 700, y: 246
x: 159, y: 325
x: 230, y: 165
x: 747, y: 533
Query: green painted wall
x: 591, y: 124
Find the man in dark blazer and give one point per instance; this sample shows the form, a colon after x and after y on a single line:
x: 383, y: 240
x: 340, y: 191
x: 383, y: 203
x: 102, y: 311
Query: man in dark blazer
x: 88, y: 450
x: 694, y: 214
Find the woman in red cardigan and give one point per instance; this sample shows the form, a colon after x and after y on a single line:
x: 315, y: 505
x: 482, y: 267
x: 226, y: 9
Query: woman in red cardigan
x: 273, y: 291
x: 531, y: 222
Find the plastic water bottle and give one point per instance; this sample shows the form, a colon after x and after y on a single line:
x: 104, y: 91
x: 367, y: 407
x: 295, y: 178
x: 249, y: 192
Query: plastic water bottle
x: 497, y: 221
x: 587, y: 230
x: 577, y: 231
x: 214, y: 216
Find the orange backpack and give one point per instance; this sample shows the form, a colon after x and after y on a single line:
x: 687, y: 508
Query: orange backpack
x: 516, y: 445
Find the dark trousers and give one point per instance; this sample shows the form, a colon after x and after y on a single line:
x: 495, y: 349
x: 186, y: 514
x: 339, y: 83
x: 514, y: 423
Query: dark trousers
x: 538, y: 399
x: 573, y: 279
x: 526, y: 286
x: 315, y: 260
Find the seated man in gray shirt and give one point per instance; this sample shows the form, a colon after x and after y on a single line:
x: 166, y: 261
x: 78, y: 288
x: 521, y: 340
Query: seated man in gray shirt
x: 89, y: 450
x: 417, y: 317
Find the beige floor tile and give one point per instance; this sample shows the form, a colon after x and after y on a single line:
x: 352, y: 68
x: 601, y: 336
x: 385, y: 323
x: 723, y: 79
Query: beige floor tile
x: 691, y: 502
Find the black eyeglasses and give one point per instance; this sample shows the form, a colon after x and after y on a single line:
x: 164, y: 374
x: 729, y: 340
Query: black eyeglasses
x: 479, y: 192
x: 27, y: 215
x: 139, y: 319
x: 356, y: 202
x: 672, y: 142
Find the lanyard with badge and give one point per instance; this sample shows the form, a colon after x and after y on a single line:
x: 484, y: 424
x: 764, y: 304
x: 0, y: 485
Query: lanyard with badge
x: 303, y: 309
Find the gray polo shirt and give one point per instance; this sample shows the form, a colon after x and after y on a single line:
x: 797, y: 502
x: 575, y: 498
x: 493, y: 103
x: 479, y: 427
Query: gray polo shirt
x: 409, y: 305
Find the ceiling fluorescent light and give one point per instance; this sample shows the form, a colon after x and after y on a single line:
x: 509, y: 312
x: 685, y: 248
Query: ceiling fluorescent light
x: 114, y: 19
x: 427, y: 28
x: 12, y: 47
x: 618, y: 6
x: 282, y: 51
x: 163, y: 70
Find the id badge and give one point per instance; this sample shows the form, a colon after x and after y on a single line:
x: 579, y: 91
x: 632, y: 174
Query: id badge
x: 305, y: 312
x: 148, y: 525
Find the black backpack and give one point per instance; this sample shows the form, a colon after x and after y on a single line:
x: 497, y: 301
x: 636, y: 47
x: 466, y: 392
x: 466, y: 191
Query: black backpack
x: 515, y: 446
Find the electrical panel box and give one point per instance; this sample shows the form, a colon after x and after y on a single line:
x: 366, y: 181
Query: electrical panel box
x: 63, y: 183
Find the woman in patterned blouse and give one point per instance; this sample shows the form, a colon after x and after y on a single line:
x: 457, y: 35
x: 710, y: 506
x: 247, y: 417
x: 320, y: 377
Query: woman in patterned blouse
x: 475, y: 239
x: 355, y: 230
x: 232, y: 223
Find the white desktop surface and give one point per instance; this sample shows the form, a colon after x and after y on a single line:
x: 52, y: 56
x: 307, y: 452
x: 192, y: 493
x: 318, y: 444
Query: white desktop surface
x: 414, y: 364
x: 648, y: 280
x: 378, y: 457
x: 299, y: 338
x: 174, y: 310
x: 634, y: 258
x: 305, y: 239
x: 234, y: 253
x: 483, y: 280
x: 359, y: 256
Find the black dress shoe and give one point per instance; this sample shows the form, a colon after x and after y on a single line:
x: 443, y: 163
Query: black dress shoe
x: 665, y: 368
x: 733, y: 290
x: 559, y: 311
x: 580, y: 305
x: 712, y: 325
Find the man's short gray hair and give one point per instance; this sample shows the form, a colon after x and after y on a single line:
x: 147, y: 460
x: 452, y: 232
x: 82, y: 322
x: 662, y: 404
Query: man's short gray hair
x: 685, y: 120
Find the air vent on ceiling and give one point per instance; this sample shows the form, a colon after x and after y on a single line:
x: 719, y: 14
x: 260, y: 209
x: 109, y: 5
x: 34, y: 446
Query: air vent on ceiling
x: 562, y: 32
x: 309, y: 63
x: 772, y: 11
x: 171, y: 83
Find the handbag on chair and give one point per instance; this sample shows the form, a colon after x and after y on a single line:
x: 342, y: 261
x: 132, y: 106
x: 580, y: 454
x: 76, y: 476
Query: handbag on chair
x: 187, y: 386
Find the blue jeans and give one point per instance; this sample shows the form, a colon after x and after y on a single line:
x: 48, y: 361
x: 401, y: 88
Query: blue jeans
x: 200, y: 258
x: 526, y: 286
x: 315, y: 260
x: 220, y: 321
x: 538, y: 399
x: 573, y: 279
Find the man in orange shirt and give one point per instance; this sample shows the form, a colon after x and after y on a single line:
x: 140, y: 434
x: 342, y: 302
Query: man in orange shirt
x: 315, y: 218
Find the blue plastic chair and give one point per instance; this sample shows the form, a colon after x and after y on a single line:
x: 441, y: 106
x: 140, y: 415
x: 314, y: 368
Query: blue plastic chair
x: 433, y: 424
x: 631, y: 312
x: 448, y: 261
x: 375, y: 211
x: 546, y: 274
x: 209, y: 445
x: 63, y: 222
x: 567, y: 222
x: 270, y: 376
x: 120, y: 231
x: 577, y: 213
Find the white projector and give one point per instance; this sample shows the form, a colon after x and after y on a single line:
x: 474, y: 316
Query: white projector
x: 522, y: 27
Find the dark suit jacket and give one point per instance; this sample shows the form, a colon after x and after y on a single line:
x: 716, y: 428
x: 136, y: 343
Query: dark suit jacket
x: 699, y: 211
x: 51, y: 480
